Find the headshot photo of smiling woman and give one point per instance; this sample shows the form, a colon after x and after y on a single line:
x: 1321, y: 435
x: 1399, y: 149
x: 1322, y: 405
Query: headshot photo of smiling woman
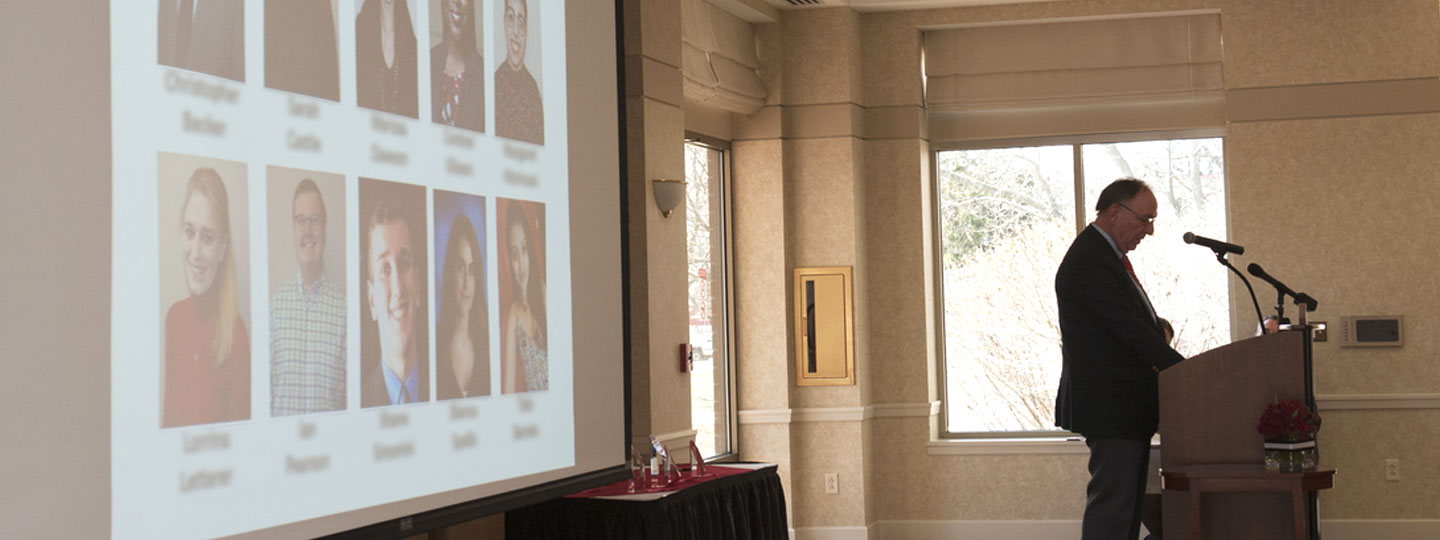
x: 206, y: 358
x: 462, y: 332
x: 519, y: 113
x: 525, y: 359
x: 457, y: 68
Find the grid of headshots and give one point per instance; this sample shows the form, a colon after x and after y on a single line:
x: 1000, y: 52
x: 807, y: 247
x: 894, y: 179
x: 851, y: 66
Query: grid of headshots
x: 342, y: 258
x: 302, y: 52
x: 205, y: 364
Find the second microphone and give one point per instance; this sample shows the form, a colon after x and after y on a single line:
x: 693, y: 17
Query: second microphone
x: 1217, y: 245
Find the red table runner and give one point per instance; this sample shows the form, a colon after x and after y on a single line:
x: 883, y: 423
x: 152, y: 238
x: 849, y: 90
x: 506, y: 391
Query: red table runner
x: 683, y: 481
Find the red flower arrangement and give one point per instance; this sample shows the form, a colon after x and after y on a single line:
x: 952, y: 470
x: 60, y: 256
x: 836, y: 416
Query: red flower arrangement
x: 1288, y: 421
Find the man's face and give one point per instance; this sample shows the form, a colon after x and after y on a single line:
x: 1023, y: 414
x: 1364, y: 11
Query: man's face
x: 1135, y: 221
x: 393, y: 286
x: 516, y: 17
x: 309, y: 221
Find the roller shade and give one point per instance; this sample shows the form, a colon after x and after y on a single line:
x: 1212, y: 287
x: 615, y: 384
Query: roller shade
x: 1162, y: 72
x: 720, y: 63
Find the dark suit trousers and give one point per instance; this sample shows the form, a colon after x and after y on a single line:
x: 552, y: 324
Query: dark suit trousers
x: 1114, y: 497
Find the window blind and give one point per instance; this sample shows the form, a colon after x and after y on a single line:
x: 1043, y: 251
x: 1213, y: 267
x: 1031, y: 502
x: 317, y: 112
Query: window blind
x: 1058, y: 78
x: 720, y: 62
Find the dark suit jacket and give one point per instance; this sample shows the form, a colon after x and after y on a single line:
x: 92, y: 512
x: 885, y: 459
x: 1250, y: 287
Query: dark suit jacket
x: 217, y: 38
x: 1113, y: 348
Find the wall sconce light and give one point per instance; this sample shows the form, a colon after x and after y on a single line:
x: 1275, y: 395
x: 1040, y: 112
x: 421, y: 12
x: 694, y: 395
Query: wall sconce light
x: 668, y: 194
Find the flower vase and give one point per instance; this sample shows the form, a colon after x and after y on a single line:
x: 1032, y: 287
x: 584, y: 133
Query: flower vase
x: 1289, y: 456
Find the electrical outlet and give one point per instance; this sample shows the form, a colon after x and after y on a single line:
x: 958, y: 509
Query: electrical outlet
x: 832, y: 483
x: 1392, y: 470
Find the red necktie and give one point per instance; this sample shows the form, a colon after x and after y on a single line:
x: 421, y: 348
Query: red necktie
x: 1125, y: 260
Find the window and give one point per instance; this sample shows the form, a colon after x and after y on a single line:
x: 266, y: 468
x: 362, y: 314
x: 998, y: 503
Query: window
x: 1007, y: 216
x: 708, y: 285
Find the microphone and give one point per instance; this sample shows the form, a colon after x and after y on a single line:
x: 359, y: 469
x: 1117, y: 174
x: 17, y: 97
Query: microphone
x: 1282, y: 290
x: 1300, y: 298
x: 1256, y: 271
x: 1218, y: 246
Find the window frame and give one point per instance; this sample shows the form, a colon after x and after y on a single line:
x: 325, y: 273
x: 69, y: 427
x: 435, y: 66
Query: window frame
x: 727, y: 297
x: 1008, y: 439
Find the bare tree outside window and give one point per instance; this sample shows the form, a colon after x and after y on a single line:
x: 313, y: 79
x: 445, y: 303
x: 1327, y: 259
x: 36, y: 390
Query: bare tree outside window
x: 1184, y: 282
x: 705, y: 271
x: 1007, y: 217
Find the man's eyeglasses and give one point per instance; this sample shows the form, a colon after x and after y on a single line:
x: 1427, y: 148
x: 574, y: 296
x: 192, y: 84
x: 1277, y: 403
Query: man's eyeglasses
x: 1143, y: 219
x: 306, y: 220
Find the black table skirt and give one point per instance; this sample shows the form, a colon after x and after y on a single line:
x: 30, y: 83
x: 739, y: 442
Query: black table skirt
x: 743, y: 506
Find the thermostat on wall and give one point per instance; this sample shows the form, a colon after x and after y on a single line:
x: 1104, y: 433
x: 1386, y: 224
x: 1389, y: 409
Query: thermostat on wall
x: 1372, y: 331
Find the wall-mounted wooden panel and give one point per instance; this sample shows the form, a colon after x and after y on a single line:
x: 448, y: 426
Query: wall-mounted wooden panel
x: 824, y: 327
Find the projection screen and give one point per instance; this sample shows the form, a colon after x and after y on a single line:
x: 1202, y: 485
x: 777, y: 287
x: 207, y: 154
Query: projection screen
x: 301, y: 267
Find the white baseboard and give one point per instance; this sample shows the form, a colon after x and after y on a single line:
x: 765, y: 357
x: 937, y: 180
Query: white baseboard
x: 1337, y: 529
x: 832, y: 533
x: 1389, y: 529
x: 978, y: 530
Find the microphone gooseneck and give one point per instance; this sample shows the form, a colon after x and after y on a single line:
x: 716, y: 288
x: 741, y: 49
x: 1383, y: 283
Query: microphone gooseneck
x: 1220, y: 252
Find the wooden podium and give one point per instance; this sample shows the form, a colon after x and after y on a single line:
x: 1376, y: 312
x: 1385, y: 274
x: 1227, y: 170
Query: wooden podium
x: 1209, y: 406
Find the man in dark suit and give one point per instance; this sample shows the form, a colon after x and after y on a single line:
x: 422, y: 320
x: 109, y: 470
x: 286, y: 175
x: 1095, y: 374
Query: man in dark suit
x: 1113, y: 349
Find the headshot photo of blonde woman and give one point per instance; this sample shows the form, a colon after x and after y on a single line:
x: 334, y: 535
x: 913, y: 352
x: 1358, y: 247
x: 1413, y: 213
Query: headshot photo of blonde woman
x: 204, y: 289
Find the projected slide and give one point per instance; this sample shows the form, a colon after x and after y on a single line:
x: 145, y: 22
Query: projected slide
x: 341, y: 256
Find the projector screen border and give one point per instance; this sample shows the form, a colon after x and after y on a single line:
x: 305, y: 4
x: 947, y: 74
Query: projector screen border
x: 407, y: 526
